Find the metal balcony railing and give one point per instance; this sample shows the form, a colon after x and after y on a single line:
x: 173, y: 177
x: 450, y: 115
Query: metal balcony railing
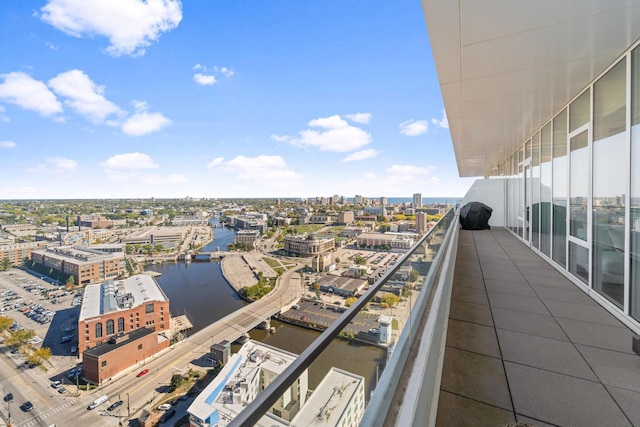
x: 408, y: 387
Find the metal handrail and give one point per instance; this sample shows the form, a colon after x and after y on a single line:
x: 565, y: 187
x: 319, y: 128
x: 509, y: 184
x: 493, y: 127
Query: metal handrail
x: 268, y: 397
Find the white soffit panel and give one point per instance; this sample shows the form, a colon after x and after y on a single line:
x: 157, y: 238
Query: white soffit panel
x: 505, y: 66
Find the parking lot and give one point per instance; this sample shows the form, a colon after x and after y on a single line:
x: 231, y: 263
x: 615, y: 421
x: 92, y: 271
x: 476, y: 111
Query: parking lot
x: 48, y: 309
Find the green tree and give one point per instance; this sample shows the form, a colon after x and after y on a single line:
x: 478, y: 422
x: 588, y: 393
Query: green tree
x: 390, y: 299
x: 71, y: 281
x: 5, y: 264
x: 360, y: 260
x: 413, y: 275
x: 5, y: 323
x: 349, y: 301
x: 337, y: 260
x: 18, y: 338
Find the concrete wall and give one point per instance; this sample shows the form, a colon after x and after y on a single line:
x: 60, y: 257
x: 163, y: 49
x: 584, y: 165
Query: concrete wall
x: 491, y: 193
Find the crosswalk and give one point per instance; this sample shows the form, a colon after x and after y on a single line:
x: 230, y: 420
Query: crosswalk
x: 45, y: 414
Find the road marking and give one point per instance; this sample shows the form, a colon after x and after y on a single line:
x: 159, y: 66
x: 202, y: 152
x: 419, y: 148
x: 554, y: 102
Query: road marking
x: 41, y: 416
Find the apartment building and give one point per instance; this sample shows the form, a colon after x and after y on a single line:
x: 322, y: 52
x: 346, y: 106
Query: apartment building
x: 86, y: 265
x: 307, y: 246
x: 18, y: 252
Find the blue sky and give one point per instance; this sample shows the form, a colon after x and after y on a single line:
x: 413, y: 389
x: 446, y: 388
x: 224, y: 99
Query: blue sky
x: 262, y: 98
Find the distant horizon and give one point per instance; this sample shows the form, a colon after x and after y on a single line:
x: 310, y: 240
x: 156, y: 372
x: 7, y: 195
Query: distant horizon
x: 350, y: 199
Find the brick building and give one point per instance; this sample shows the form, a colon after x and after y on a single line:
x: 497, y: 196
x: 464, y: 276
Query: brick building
x: 86, y: 265
x: 307, y: 246
x: 121, y: 323
x: 17, y: 252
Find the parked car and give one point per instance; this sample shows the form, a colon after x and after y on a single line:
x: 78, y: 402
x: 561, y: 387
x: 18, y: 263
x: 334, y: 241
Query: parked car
x: 141, y: 373
x: 62, y: 390
x: 56, y: 384
x: 8, y: 397
x: 26, y: 406
x: 164, y: 407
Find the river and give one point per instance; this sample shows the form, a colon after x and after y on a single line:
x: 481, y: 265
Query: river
x: 199, y: 290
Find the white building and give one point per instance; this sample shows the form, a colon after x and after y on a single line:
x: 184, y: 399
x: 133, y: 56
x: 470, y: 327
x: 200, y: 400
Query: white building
x: 246, y: 374
x: 337, y: 401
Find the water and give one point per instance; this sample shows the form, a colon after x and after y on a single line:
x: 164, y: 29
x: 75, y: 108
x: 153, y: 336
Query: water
x: 199, y: 290
x: 351, y: 356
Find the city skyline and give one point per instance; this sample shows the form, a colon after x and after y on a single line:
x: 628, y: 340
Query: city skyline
x: 220, y: 100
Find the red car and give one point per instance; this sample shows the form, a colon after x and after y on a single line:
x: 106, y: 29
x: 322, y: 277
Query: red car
x: 141, y: 373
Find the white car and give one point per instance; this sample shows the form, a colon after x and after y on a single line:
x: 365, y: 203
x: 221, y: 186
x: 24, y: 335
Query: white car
x: 164, y: 407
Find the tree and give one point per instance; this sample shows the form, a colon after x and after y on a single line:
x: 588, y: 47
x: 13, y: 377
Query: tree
x: 390, y: 299
x: 5, y: 264
x: 360, y: 260
x: 43, y: 354
x: 5, y: 323
x: 18, y: 338
x: 71, y: 281
x: 349, y: 301
x: 337, y: 260
x: 413, y: 275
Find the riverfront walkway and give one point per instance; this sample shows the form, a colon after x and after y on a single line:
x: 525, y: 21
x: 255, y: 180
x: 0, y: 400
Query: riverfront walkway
x: 525, y: 344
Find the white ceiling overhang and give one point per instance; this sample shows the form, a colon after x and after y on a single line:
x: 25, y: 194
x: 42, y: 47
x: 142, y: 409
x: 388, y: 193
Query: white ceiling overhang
x: 506, y: 66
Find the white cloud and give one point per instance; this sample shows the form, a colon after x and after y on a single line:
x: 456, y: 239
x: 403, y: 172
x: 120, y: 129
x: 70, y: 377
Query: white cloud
x: 30, y: 94
x: 8, y: 144
x: 204, y: 79
x: 414, y: 127
x: 361, y: 155
x: 227, y: 72
x: 443, y: 122
x: 280, y: 138
x: 129, y: 161
x: 336, y: 135
x: 130, y: 25
x: 207, y: 75
x: 83, y: 95
x: 51, y: 46
x: 362, y: 118
x: 55, y: 165
x: 260, y: 169
x: 215, y: 162
x: 143, y: 123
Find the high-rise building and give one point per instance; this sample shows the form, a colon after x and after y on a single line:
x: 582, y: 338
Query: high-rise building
x: 383, y: 201
x: 417, y: 200
x: 421, y: 222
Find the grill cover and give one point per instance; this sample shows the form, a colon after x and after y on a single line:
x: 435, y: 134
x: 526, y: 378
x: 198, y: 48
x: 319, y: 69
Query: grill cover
x: 475, y: 216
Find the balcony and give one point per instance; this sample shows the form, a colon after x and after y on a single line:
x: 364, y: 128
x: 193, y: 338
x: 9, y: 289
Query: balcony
x: 495, y: 335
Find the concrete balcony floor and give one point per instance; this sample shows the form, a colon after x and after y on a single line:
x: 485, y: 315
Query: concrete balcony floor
x: 525, y: 344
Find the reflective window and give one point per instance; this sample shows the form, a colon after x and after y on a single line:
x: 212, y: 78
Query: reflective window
x: 579, y: 185
x: 580, y: 111
x: 120, y: 324
x: 535, y: 191
x: 98, y: 330
x: 109, y: 327
x: 634, y: 220
x: 545, y: 189
x: 579, y: 261
x: 609, y: 183
x: 560, y: 188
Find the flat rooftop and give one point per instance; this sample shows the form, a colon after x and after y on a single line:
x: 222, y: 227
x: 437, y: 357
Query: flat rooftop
x: 241, y: 367
x: 526, y: 344
x: 79, y: 255
x: 330, y: 399
x: 116, y: 295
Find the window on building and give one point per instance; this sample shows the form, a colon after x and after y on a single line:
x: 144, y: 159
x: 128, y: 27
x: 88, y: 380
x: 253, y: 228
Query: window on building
x: 634, y: 220
x: 120, y: 324
x: 560, y: 188
x: 149, y: 308
x: 98, y: 330
x: 103, y: 363
x: 139, y: 346
x: 609, y: 182
x: 110, y: 329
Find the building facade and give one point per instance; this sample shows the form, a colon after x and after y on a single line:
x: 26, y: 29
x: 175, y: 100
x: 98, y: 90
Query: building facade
x: 18, y: 252
x: 421, y: 222
x: 83, y: 263
x: 121, y: 307
x: 307, y: 246
x: 346, y: 217
x: 417, y: 200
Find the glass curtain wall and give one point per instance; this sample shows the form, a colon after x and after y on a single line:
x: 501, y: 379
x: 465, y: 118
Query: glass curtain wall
x: 579, y: 115
x: 545, y: 190
x: 609, y: 183
x: 634, y: 204
x: 535, y: 190
x: 560, y: 188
